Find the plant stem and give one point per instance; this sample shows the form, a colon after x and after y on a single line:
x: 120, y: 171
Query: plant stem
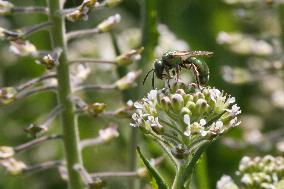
x: 281, y: 22
x: 133, y: 137
x: 69, y: 120
x: 178, y: 182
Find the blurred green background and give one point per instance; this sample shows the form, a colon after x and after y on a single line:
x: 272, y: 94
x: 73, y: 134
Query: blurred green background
x: 197, y: 22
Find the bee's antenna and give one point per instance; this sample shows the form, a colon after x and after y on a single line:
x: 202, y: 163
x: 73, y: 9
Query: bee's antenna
x: 147, y: 76
x: 153, y: 80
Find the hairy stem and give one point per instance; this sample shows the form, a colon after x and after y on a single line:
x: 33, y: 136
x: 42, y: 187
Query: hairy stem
x: 69, y: 120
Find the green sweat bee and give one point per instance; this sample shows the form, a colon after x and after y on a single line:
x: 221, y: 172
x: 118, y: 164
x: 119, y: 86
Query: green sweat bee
x: 174, y: 61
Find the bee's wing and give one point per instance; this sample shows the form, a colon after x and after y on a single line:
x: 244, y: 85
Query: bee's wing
x: 186, y: 54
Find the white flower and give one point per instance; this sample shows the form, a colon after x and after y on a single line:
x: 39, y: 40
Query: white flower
x: 226, y: 182
x: 152, y: 94
x: 231, y: 100
x: 234, y: 111
x: 234, y: 122
x: 214, y: 94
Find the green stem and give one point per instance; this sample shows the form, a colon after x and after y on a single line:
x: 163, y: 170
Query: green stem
x: 281, y: 22
x: 178, y: 181
x: 69, y: 120
x: 133, y: 137
x: 202, y: 173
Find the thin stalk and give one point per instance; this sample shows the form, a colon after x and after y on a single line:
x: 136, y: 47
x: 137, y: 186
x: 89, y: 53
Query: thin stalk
x: 35, y: 90
x: 43, y: 166
x: 69, y: 120
x: 29, y: 10
x: 91, y: 61
x: 33, y: 29
x: 35, y: 81
x: 115, y: 174
x: 35, y: 142
x: 95, y: 87
x: 81, y: 33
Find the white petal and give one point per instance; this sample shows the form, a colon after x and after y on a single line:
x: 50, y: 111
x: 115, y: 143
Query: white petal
x: 138, y: 105
x: 202, y: 122
x: 186, y: 119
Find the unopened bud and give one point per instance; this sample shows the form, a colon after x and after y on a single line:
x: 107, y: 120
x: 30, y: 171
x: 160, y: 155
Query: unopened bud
x: 74, y: 16
x: 177, y: 102
x: 128, y: 57
x: 7, y: 95
x: 112, y: 3
x: 201, y: 105
x: 13, y: 166
x: 191, y: 106
x: 127, y: 81
x: 107, y: 24
x: 95, y: 108
x: 6, y: 152
x: 185, y: 110
x: 22, y: 48
x: 34, y: 130
x: 109, y: 133
x: 165, y: 103
x: 5, y: 7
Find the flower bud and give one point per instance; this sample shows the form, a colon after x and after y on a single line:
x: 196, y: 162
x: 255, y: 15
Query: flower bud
x: 165, y: 103
x: 112, y: 3
x: 107, y: 24
x: 6, y: 152
x: 191, y: 106
x: 177, y: 102
x: 7, y: 95
x: 5, y: 7
x: 95, y: 108
x: 185, y: 110
x: 109, y: 133
x: 47, y: 61
x: 34, y: 130
x: 13, y: 166
x: 127, y: 81
x: 201, y: 106
x: 128, y: 57
x: 74, y: 16
x: 22, y: 48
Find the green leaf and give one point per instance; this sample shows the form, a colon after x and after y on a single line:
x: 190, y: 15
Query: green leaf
x: 160, y: 183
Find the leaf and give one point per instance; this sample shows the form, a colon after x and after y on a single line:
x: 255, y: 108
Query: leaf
x: 159, y: 181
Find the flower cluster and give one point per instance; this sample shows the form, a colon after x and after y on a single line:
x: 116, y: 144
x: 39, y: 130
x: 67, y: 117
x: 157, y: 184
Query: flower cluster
x: 260, y: 172
x: 187, y: 112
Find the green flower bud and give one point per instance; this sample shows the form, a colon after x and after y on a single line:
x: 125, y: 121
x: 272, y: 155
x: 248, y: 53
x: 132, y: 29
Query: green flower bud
x: 127, y: 81
x: 7, y: 95
x: 13, y: 166
x: 5, y: 7
x: 177, y: 102
x: 107, y: 24
x: 96, y: 108
x: 74, y: 16
x: 201, y: 105
x: 6, y: 152
x: 184, y: 111
x: 128, y: 57
x: 112, y: 3
x: 165, y: 103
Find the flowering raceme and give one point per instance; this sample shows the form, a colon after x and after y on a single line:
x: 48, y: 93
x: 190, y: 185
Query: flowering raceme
x: 260, y: 172
x: 186, y: 113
